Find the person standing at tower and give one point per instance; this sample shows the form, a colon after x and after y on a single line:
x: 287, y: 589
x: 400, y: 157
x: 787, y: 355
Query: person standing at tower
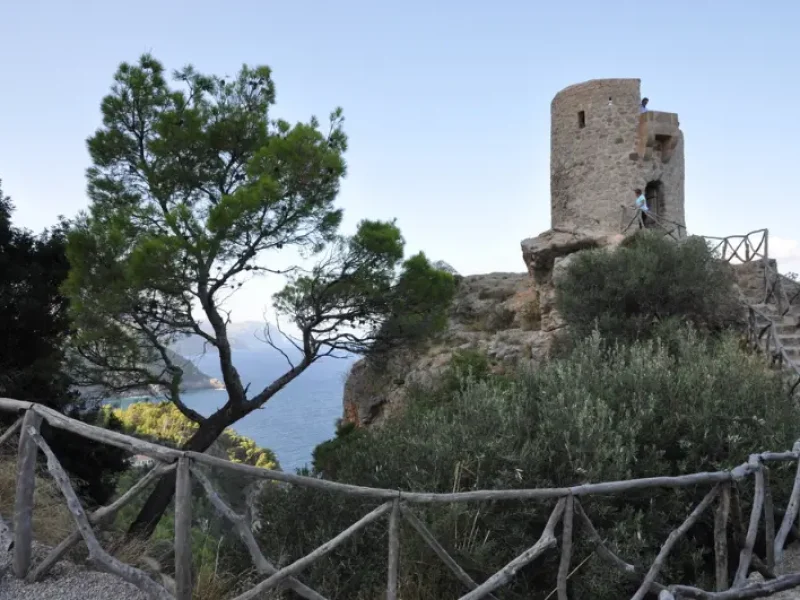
x: 641, y: 206
x: 643, y: 107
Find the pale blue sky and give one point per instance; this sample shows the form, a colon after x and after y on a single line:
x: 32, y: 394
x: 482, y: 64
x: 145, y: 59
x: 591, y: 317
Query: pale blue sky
x: 447, y: 102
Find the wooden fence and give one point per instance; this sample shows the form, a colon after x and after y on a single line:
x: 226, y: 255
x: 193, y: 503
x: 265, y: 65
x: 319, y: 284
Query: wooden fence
x: 741, y: 248
x: 734, y: 249
x: 762, y: 334
x: 636, y: 218
x: 723, y: 497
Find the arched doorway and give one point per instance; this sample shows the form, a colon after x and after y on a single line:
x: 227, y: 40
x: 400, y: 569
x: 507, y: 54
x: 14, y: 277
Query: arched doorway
x: 654, y: 193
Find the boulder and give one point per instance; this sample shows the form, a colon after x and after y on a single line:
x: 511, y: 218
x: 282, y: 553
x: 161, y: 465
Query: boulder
x: 540, y: 252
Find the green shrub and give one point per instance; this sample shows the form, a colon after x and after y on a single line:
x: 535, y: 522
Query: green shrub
x: 607, y: 412
x: 324, y: 457
x: 418, y: 308
x: 622, y: 293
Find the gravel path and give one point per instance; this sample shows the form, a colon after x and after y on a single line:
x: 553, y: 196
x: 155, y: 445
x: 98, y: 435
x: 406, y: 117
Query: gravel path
x: 68, y: 581
x: 65, y: 582
x: 790, y: 564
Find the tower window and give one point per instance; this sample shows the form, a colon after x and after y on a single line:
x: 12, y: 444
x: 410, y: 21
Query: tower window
x: 581, y: 119
x: 654, y: 192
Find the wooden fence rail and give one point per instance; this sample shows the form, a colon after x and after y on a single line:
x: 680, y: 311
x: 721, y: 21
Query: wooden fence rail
x: 741, y: 248
x: 765, y: 338
x: 567, y: 513
x: 634, y: 218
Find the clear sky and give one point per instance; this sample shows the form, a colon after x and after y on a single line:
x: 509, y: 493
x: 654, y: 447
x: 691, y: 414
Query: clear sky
x: 447, y: 102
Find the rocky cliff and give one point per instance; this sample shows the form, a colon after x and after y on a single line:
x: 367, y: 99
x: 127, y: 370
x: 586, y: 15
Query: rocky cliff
x: 511, y: 317
x: 496, y: 313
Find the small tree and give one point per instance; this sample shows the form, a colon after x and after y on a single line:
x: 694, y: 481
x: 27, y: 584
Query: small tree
x: 191, y: 188
x: 33, y: 312
x: 624, y: 292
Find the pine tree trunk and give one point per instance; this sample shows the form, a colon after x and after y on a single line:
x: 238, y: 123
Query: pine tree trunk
x: 157, y: 503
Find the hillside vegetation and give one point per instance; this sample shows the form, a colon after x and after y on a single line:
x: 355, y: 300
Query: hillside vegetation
x: 162, y: 422
x: 650, y: 390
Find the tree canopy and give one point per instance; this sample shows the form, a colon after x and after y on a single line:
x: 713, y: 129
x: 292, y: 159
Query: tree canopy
x: 35, y: 324
x: 195, y: 188
x: 33, y: 312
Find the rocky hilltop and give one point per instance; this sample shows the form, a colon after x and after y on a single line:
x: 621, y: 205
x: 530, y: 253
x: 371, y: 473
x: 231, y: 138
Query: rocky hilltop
x: 193, y: 380
x: 510, y: 317
x: 495, y: 313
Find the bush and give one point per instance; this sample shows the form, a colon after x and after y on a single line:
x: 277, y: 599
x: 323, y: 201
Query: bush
x: 418, y: 308
x: 658, y: 407
x: 622, y: 293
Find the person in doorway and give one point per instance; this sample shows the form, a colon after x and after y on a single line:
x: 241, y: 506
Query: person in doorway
x: 641, y: 205
x: 643, y: 107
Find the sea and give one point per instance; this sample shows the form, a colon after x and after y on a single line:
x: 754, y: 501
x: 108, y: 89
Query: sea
x: 295, y: 420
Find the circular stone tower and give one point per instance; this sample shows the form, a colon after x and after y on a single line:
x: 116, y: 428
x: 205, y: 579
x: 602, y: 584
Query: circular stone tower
x: 602, y: 148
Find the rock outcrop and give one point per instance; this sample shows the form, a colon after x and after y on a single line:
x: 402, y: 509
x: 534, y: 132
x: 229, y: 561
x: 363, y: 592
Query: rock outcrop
x: 497, y: 313
x: 511, y: 317
x: 547, y: 256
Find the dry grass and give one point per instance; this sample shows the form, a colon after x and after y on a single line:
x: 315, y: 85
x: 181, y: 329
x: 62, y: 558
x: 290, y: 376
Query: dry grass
x: 52, y: 521
x: 210, y: 581
x: 530, y: 311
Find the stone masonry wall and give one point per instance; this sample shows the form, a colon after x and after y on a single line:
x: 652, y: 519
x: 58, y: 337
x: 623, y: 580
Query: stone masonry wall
x: 594, y: 168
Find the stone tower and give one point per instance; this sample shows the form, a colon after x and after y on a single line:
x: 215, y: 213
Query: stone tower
x: 602, y: 148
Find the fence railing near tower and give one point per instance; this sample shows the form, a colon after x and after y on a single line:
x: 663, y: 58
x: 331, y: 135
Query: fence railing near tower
x: 762, y: 329
x: 567, y: 512
x: 741, y: 248
x: 634, y: 218
x: 762, y: 334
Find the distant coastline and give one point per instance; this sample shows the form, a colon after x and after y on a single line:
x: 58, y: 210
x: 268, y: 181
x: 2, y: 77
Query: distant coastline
x: 198, y: 382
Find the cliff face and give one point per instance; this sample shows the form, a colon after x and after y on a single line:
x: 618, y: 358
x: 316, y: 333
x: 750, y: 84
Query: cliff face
x: 510, y: 317
x: 496, y: 313
x: 193, y: 378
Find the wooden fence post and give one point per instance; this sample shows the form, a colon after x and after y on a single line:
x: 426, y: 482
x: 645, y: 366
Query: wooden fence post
x: 566, y: 549
x: 721, y: 537
x: 769, y: 521
x: 183, y: 531
x: 23, y: 502
x: 394, y: 551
